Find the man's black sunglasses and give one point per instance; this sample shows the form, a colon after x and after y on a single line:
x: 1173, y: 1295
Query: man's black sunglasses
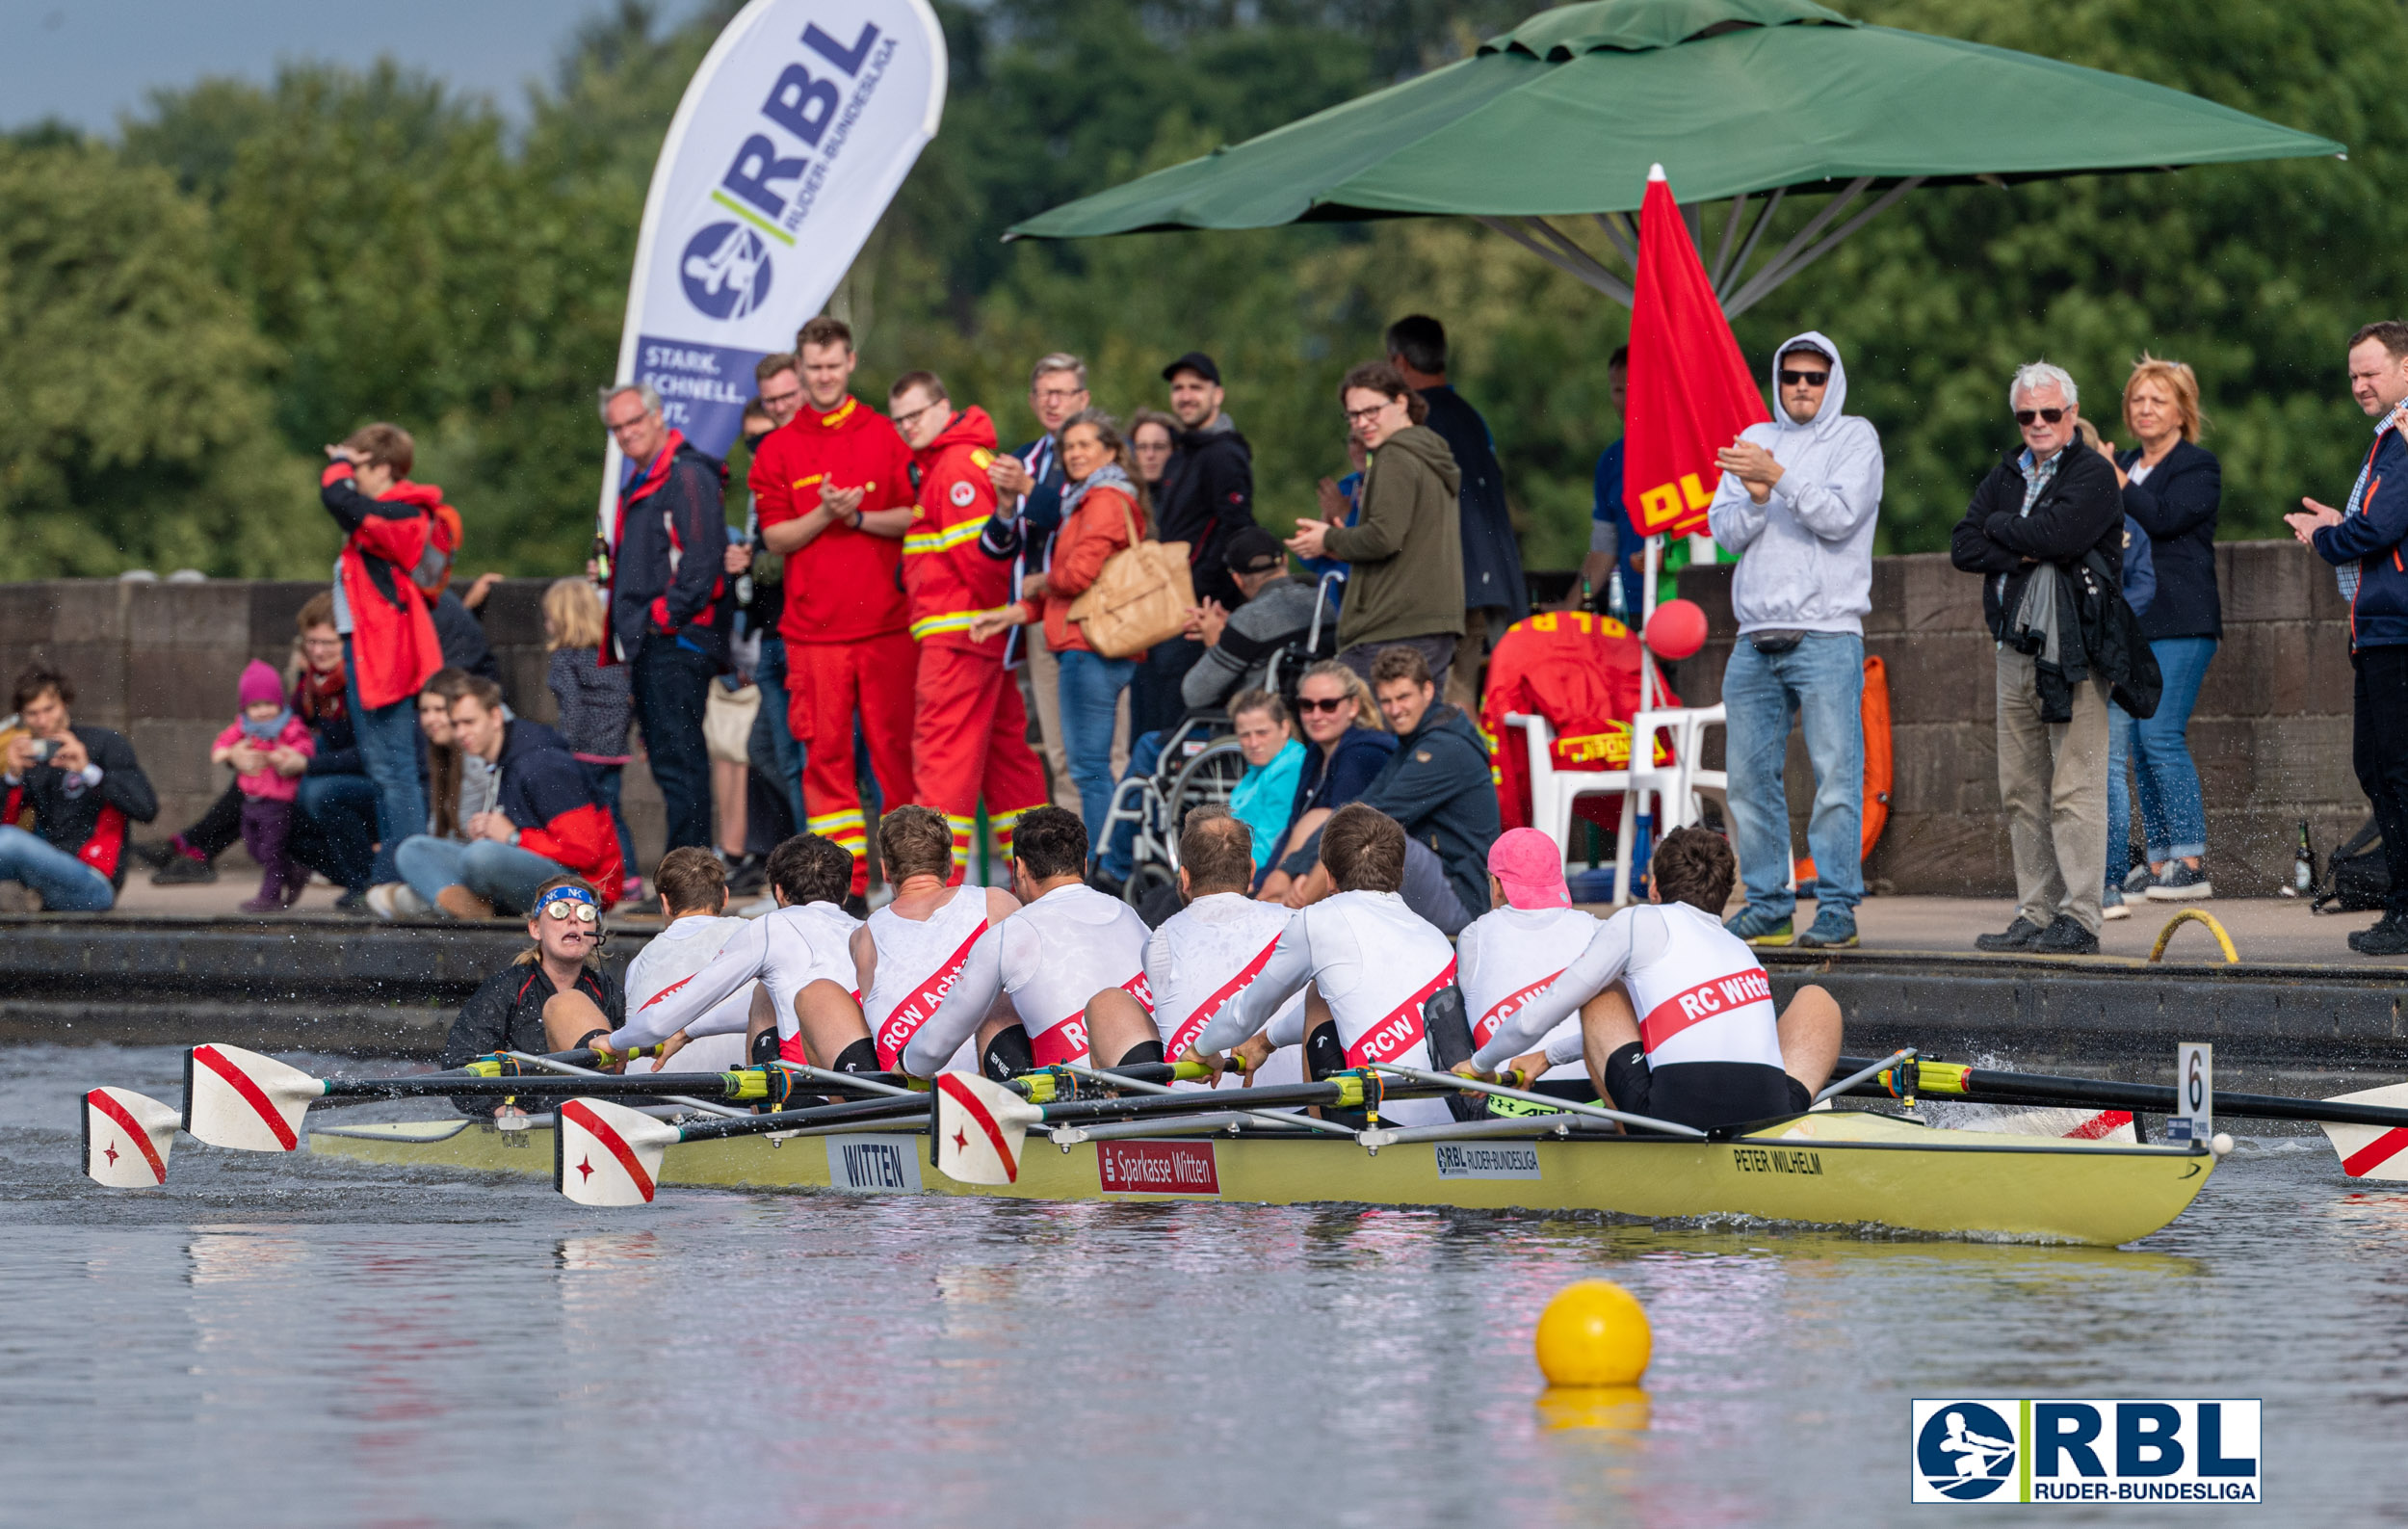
x: 2025, y: 416
x: 1790, y: 379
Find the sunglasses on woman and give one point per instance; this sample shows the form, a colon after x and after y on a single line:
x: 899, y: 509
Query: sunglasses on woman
x: 2025, y: 416
x: 1306, y: 703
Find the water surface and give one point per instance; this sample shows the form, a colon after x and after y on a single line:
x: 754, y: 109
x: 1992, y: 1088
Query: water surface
x: 287, y: 1340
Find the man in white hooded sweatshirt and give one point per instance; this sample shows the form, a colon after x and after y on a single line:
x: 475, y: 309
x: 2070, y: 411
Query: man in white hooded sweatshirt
x: 1796, y: 504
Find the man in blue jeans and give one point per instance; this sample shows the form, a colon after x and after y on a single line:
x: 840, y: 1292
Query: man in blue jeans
x: 82, y: 786
x: 1798, y: 503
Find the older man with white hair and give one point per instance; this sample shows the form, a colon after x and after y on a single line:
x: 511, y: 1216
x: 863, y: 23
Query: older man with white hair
x: 2045, y: 519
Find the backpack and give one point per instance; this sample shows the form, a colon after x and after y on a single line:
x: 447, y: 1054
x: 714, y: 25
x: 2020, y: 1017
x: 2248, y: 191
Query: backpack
x: 2356, y: 879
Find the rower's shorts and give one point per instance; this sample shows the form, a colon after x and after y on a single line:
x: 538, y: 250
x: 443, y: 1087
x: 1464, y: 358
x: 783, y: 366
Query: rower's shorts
x: 1704, y: 1094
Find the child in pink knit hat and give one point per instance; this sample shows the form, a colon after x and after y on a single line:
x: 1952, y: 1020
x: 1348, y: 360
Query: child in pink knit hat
x: 269, y: 749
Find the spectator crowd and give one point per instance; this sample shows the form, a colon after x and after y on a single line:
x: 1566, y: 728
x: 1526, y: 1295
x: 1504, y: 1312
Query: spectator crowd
x: 915, y: 612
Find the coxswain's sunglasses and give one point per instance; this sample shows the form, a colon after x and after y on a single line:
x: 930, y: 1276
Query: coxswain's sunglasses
x: 1308, y: 704
x: 566, y: 902
x: 2025, y: 416
x: 1790, y: 379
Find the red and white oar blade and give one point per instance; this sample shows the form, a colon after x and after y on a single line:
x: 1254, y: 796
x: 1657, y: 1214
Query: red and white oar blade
x: 2372, y: 1152
x: 607, y: 1154
x: 979, y: 1127
x: 239, y: 1099
x: 126, y: 1137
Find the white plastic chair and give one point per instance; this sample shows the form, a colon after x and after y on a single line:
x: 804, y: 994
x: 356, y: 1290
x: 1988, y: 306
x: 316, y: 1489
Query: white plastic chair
x: 1553, y: 791
x: 1676, y: 786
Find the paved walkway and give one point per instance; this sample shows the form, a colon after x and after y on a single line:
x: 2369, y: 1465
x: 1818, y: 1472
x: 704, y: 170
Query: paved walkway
x: 2277, y: 931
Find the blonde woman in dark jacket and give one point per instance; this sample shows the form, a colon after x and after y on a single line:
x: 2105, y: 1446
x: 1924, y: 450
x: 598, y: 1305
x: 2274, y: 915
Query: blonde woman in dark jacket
x: 1405, y: 584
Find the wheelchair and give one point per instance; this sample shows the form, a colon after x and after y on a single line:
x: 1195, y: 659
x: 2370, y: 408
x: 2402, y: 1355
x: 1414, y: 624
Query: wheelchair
x: 1200, y: 765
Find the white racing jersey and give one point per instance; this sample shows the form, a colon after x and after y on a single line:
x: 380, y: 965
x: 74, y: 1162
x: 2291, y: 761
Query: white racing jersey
x: 1700, y: 993
x: 676, y: 953
x: 1053, y: 956
x: 787, y: 950
x: 1510, y: 956
x: 1203, y: 958
x: 919, y: 960
x: 1377, y: 964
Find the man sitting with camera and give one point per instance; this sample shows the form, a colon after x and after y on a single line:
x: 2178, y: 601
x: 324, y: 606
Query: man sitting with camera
x: 82, y: 786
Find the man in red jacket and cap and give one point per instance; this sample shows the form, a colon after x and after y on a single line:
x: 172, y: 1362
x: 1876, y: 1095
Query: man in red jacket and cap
x: 833, y: 487
x: 970, y: 734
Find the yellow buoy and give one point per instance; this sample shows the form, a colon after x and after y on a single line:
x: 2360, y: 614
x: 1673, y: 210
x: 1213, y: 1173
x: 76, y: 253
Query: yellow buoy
x: 1610, y: 1409
x: 1593, y: 1333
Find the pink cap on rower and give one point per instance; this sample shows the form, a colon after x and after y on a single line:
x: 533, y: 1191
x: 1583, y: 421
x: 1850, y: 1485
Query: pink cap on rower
x: 1531, y: 867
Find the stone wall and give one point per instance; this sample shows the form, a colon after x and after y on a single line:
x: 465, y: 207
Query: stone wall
x: 2270, y: 734
x: 158, y: 662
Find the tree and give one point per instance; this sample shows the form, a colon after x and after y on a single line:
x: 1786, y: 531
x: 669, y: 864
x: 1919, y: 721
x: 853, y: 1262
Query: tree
x: 139, y: 427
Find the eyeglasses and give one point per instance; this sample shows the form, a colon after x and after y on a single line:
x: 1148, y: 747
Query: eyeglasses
x: 622, y: 429
x: 1364, y: 416
x: 564, y: 909
x: 903, y: 421
x: 2025, y: 416
x: 1057, y: 395
x: 785, y: 400
x: 1308, y: 705
x: 1790, y: 379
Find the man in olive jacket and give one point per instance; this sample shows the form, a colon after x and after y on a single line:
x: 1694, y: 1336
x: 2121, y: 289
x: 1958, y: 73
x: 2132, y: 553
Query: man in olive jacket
x: 1405, y: 583
x: 2038, y: 512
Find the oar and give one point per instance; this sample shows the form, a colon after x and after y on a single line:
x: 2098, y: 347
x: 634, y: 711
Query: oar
x: 981, y: 1125
x: 241, y: 1100
x: 607, y: 1154
x: 2373, y: 1123
x: 1121, y: 1080
x: 1457, y: 1081
x: 128, y: 1136
x: 547, y: 1064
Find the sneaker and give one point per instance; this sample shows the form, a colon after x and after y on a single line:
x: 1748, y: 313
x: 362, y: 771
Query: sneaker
x: 2387, y: 938
x: 395, y: 900
x: 2111, y: 903
x: 154, y: 855
x: 2140, y: 879
x: 2065, y: 937
x: 1834, y: 929
x: 749, y: 874
x: 184, y: 870
x: 352, y: 904
x: 266, y: 903
x: 1759, y: 925
x: 2016, y: 936
x: 2181, y: 883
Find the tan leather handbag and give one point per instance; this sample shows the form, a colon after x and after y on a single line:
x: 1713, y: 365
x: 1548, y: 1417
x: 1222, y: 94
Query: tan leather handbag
x: 1140, y: 598
x: 727, y: 722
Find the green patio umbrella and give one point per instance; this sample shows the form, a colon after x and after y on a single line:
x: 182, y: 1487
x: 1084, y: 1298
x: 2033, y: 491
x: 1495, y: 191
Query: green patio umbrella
x: 1561, y: 117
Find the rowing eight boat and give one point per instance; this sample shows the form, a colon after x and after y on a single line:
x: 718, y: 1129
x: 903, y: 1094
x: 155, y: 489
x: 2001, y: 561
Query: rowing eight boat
x: 1843, y: 1168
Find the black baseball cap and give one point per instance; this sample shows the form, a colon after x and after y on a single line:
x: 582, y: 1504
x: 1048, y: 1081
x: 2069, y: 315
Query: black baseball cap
x: 1255, y: 550
x: 1195, y: 362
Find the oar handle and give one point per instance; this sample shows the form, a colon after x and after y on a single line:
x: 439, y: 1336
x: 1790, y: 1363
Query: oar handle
x: 1948, y: 1080
x: 863, y: 1110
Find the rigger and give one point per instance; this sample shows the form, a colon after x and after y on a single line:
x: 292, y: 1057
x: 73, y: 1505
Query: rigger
x: 833, y: 487
x: 970, y: 731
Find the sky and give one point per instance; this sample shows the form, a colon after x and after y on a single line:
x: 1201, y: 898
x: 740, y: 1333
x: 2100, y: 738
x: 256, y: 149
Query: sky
x: 85, y: 62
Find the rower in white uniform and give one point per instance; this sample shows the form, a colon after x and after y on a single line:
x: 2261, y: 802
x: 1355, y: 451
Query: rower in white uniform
x: 1205, y: 954
x: 1372, y: 964
x: 803, y: 953
x: 693, y: 883
x: 1676, y: 1014
x: 1072, y: 960
x: 1512, y: 953
x: 912, y: 951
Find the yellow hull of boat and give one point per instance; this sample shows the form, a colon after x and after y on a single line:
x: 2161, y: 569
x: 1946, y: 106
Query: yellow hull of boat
x: 1830, y: 1169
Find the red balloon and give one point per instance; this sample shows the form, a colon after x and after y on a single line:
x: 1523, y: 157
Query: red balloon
x: 1676, y: 630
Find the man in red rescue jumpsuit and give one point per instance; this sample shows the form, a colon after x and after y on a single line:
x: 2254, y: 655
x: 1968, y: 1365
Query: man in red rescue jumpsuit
x: 833, y: 487
x: 970, y: 735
